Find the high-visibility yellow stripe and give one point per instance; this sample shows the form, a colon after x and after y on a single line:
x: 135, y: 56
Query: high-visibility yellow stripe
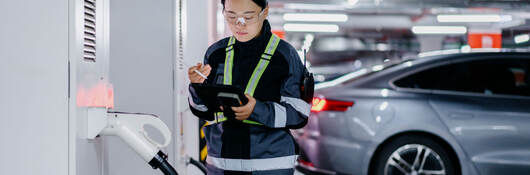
x: 221, y: 119
x: 256, y: 74
x: 251, y: 122
x: 262, y: 65
x: 229, y: 61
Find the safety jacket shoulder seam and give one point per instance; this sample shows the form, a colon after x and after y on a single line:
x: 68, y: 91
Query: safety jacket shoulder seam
x: 286, y: 50
x: 221, y: 44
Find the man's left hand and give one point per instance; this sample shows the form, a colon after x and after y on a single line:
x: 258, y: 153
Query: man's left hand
x: 243, y: 112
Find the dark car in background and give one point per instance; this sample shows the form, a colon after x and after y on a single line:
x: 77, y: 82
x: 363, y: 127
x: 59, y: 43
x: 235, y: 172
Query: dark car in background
x: 465, y: 113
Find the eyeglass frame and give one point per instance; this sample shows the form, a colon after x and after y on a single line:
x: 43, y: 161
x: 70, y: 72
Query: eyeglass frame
x: 238, y: 16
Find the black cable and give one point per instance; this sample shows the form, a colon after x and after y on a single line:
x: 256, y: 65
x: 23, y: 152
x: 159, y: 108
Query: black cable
x: 167, y: 169
x: 160, y: 162
x: 198, y: 165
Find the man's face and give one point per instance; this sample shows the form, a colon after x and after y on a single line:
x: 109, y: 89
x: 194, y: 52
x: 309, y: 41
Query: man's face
x: 237, y: 11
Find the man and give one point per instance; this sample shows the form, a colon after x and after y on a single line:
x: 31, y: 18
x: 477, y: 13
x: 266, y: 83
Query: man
x: 269, y: 69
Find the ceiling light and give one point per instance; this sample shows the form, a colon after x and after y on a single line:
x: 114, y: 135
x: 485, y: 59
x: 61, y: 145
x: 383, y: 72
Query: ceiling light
x: 315, y: 17
x: 439, y: 29
x: 311, y: 27
x: 522, y: 38
x: 473, y: 18
x: 303, y: 6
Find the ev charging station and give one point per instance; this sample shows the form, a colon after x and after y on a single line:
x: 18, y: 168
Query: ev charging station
x: 99, y: 87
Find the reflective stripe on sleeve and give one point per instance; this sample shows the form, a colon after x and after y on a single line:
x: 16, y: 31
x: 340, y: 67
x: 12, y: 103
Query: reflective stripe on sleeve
x: 201, y: 108
x: 247, y: 165
x: 298, y: 104
x: 280, y: 116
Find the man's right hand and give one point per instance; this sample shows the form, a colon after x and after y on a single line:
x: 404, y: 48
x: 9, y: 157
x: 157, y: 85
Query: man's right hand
x: 194, y: 76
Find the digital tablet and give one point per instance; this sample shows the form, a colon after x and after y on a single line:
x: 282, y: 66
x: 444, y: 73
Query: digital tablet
x: 220, y: 95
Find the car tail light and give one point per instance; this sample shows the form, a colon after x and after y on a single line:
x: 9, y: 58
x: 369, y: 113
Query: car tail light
x: 322, y: 104
x: 306, y: 163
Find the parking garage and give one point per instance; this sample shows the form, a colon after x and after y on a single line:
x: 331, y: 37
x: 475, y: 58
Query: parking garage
x: 383, y: 87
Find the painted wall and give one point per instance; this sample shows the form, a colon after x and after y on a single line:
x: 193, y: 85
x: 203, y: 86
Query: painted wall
x: 34, y: 87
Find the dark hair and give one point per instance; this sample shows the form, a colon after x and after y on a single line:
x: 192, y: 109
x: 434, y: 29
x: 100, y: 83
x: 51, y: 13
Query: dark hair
x: 261, y: 3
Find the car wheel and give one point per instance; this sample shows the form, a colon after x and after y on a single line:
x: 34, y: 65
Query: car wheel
x: 413, y: 155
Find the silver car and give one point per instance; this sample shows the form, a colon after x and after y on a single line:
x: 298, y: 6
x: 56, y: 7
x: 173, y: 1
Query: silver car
x: 466, y: 113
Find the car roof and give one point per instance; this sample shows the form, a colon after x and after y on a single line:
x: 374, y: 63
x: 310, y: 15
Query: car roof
x: 379, y: 79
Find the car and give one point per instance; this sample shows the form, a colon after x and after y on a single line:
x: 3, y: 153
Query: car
x: 461, y: 113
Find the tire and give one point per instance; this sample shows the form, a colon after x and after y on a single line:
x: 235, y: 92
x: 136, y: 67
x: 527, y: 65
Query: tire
x: 400, y: 157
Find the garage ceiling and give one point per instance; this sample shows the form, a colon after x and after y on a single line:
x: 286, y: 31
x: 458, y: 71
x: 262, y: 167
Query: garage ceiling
x: 401, y: 14
x: 390, y: 21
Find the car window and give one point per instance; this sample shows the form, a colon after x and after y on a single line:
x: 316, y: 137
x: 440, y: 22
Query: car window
x: 492, y: 76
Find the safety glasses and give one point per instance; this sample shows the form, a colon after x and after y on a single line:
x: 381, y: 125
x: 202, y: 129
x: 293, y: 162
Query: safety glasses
x: 243, y: 19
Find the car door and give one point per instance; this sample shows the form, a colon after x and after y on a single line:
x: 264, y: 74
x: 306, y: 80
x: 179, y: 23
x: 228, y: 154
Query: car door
x: 485, y: 104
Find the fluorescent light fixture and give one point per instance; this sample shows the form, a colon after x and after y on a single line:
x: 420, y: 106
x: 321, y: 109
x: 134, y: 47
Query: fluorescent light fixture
x: 311, y: 28
x: 522, y: 38
x: 308, y: 41
x: 439, y: 29
x: 473, y: 18
x: 304, y: 6
x: 315, y: 17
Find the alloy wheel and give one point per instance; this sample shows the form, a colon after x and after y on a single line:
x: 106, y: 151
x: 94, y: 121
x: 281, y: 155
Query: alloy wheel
x: 414, y: 159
